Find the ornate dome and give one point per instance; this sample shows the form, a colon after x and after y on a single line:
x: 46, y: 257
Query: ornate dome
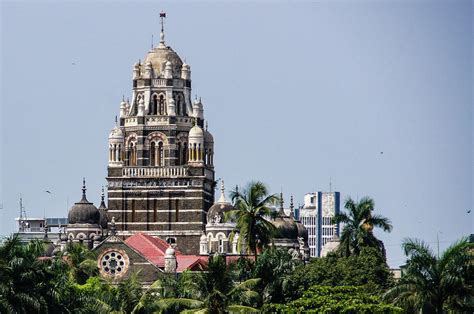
x: 116, y: 134
x: 286, y: 226
x: 83, y: 212
x: 196, y: 132
x: 158, y: 58
x: 216, y: 213
x: 208, y: 138
x: 302, y: 231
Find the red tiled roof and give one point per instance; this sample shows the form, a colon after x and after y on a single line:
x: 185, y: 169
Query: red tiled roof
x: 154, y: 250
x: 188, y: 262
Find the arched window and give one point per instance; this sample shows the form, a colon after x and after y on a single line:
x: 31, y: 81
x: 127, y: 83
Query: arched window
x: 161, y: 155
x: 154, y: 105
x: 132, y: 154
x: 179, y: 161
x: 162, y: 105
x: 185, y: 153
x: 178, y: 105
x: 153, y: 154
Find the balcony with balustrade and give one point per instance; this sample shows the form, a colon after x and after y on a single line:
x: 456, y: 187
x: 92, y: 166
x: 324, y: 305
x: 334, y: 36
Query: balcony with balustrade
x: 155, y: 172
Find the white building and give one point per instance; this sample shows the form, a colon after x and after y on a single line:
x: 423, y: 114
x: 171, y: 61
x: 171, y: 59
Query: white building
x: 316, y: 215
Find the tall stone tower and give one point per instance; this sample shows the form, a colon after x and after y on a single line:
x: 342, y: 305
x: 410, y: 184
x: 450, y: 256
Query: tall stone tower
x: 160, y: 170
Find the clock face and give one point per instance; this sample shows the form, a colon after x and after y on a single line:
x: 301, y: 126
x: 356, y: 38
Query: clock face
x: 113, y: 263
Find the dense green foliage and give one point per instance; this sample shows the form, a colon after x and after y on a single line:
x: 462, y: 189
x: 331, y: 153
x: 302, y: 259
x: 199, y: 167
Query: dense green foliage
x: 251, y: 209
x: 354, y: 279
x: 31, y: 284
x: 326, y: 299
x: 368, y: 269
x: 359, y: 222
x: 434, y: 284
x: 216, y: 290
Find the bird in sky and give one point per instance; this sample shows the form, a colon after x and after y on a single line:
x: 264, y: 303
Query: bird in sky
x: 47, y: 191
x: 469, y: 211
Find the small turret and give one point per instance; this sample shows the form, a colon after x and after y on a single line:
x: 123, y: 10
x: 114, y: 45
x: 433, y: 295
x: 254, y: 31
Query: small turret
x: 185, y: 72
x: 171, y: 107
x: 148, y: 70
x: 136, y: 71
x: 168, y: 70
x: 198, y: 111
x: 196, y: 145
x: 123, y: 108
x: 170, y: 261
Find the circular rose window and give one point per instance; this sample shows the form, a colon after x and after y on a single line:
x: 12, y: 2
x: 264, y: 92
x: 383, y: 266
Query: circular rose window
x: 113, y: 262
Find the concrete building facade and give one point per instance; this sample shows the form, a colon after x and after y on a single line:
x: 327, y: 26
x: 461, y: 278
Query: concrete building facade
x: 316, y: 215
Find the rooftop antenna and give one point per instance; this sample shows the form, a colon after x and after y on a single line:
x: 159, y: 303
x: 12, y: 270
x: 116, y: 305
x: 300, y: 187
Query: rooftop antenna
x: 162, y: 33
x: 330, y: 184
x: 23, y: 217
x: 151, y: 41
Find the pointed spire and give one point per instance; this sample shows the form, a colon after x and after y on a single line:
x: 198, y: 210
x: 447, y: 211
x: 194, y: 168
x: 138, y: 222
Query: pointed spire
x: 102, y: 199
x: 222, y: 198
x: 281, y: 212
x: 292, y: 207
x: 84, y: 199
x: 207, y: 125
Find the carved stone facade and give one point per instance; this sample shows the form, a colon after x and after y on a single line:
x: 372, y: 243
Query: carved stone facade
x: 161, y: 171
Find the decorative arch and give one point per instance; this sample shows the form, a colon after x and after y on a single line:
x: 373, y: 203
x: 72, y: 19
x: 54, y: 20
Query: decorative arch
x: 81, y: 236
x: 156, y: 137
x: 153, y: 104
x: 155, y: 143
x: 182, y: 148
x: 131, y: 149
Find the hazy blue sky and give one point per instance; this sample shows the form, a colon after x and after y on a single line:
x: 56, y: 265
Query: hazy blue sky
x: 295, y: 93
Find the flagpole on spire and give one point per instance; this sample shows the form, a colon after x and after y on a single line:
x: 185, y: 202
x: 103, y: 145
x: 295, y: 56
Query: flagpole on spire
x: 162, y: 33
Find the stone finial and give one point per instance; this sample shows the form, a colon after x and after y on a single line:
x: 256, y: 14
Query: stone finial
x: 292, y: 207
x: 84, y: 198
x: 113, y: 229
x: 222, y: 197
x: 281, y: 212
x: 170, y: 261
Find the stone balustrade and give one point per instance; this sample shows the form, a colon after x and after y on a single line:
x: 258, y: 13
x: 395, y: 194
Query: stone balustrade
x: 156, y: 172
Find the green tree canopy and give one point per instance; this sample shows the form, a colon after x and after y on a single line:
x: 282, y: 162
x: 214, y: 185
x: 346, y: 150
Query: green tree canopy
x: 251, y: 209
x: 327, y: 299
x: 433, y: 284
x: 367, y: 269
x: 359, y: 222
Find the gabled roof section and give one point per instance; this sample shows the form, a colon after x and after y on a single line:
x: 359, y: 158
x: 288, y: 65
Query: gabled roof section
x: 152, y: 248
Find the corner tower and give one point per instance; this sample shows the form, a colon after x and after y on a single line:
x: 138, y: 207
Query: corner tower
x: 160, y: 169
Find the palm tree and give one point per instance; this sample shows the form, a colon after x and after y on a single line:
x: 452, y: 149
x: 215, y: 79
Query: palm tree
x: 22, y: 277
x: 433, y: 284
x: 251, y: 210
x: 358, y: 226
x: 82, y: 262
x: 213, y: 291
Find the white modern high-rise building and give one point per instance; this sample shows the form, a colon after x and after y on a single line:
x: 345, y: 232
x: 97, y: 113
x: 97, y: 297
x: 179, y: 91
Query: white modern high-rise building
x: 316, y: 215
